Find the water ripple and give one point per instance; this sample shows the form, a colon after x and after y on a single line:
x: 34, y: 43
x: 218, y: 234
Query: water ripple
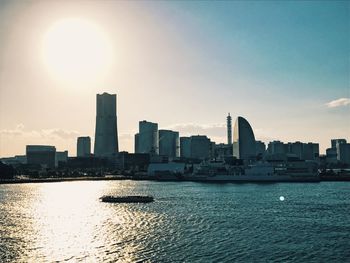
x: 188, y: 222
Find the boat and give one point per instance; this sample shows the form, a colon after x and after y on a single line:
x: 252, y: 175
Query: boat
x: 127, y: 199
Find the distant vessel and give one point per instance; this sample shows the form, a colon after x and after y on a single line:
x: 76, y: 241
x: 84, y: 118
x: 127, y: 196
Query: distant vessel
x: 262, y: 172
x: 127, y: 199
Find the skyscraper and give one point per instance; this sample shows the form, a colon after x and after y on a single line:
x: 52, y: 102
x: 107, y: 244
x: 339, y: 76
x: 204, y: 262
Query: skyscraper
x: 243, y: 140
x: 83, y: 146
x: 229, y: 129
x: 106, y: 133
x: 146, y: 141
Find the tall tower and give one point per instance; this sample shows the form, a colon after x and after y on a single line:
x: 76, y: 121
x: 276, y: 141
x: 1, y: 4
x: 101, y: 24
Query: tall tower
x: 229, y: 129
x: 106, y: 133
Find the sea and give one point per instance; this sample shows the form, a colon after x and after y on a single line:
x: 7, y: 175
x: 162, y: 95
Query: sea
x: 187, y: 222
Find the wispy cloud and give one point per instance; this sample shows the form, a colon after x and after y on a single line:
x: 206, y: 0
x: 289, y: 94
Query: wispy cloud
x: 44, y: 133
x: 338, y: 103
x: 214, y: 129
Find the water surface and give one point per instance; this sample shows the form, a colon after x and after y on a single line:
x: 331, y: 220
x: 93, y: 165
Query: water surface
x: 188, y: 222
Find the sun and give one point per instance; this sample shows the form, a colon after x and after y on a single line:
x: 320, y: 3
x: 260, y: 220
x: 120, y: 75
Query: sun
x: 76, y: 49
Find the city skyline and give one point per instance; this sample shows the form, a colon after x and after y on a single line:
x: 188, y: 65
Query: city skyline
x: 203, y: 63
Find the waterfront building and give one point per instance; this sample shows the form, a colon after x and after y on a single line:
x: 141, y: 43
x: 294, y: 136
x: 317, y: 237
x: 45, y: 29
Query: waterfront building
x: 185, y: 147
x: 243, y: 140
x: 61, y: 158
x: 222, y: 150
x: 147, y: 138
x: 200, y: 147
x: 136, y: 143
x: 229, y: 129
x: 276, y: 147
x: 296, y: 148
x: 310, y: 151
x: 106, y: 133
x: 260, y: 148
x: 83, y: 146
x: 344, y: 153
x: 42, y: 155
x: 331, y: 155
x: 336, y: 143
x: 169, y: 143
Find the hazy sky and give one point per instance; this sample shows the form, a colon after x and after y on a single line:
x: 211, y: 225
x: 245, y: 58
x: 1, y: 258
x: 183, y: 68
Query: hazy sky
x: 284, y: 66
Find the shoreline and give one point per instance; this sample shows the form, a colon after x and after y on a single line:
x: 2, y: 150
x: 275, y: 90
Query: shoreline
x: 122, y: 177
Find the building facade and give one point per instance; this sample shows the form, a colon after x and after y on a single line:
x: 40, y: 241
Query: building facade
x: 83, y: 146
x: 201, y: 147
x: 243, y: 140
x: 42, y: 155
x: 147, y: 140
x: 106, y: 133
x: 169, y: 143
x: 185, y: 147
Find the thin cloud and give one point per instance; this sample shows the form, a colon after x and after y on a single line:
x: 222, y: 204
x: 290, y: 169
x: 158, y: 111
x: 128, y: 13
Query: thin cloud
x: 45, y: 133
x: 338, y: 103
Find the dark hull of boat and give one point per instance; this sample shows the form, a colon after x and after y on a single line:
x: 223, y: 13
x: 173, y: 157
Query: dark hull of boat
x: 127, y: 199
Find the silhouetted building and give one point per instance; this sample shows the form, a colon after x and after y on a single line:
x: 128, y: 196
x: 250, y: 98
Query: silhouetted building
x: 276, y: 147
x: 331, y: 155
x: 83, y: 146
x: 61, y: 158
x: 42, y: 155
x: 260, y: 148
x: 147, y: 138
x: 106, y: 134
x: 15, y: 161
x: 229, y: 129
x: 89, y: 162
x: 221, y: 151
x: 169, y: 143
x: 336, y: 143
x: 344, y: 153
x: 243, y: 140
x: 297, y: 149
x: 134, y: 161
x: 200, y: 147
x: 185, y: 147
x: 136, y: 142
x: 310, y: 151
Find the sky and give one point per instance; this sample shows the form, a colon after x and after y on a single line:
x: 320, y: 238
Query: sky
x: 283, y: 65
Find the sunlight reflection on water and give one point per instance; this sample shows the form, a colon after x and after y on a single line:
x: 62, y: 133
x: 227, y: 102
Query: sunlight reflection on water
x: 187, y: 222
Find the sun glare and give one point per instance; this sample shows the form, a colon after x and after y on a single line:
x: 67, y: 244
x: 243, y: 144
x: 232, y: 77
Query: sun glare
x: 75, y: 49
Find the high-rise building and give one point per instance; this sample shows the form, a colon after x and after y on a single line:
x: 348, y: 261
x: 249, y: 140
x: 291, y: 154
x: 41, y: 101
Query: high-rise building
x: 243, y: 140
x: 106, y: 133
x: 260, y: 148
x: 42, y: 155
x: 84, y: 146
x: 201, y: 147
x: 169, y: 143
x: 61, y: 158
x: 344, y: 153
x: 185, y: 147
x: 147, y: 138
x: 229, y: 129
x: 336, y: 143
x: 276, y: 147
